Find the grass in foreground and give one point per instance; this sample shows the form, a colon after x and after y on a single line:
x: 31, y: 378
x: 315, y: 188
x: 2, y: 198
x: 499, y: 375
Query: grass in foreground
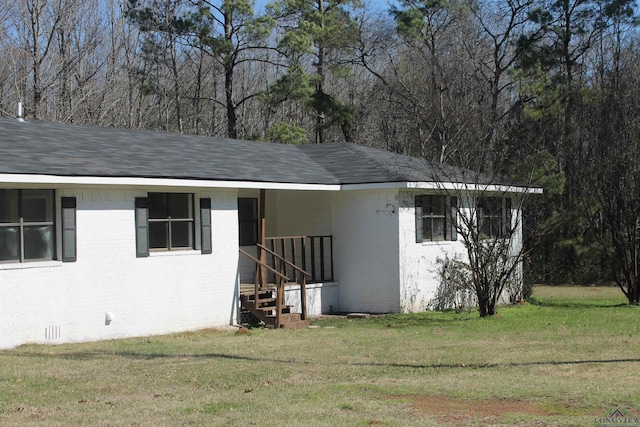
x: 566, y: 360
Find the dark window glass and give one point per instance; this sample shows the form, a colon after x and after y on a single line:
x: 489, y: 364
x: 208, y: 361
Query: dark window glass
x: 37, y: 206
x: 434, y: 205
x: 171, y: 220
x: 433, y: 217
x: 180, y: 206
x: 159, y: 235
x: 181, y: 236
x: 27, y: 228
x: 490, y: 216
x: 158, y: 205
x: 9, y: 243
x: 38, y: 242
x: 9, y: 206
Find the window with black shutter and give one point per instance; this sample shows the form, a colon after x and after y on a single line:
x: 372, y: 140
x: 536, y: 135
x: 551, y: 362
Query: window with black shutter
x: 436, y: 218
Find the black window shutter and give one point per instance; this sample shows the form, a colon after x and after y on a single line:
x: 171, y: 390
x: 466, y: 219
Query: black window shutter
x: 69, y: 229
x: 142, y: 227
x: 205, y: 226
x: 453, y: 219
x: 419, y: 237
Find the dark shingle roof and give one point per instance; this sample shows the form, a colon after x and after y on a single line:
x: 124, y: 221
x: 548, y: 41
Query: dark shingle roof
x: 36, y: 147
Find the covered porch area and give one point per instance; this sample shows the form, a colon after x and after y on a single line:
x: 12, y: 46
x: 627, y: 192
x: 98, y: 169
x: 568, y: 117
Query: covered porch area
x: 285, y: 269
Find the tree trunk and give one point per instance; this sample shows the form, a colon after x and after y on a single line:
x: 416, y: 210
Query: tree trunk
x: 232, y: 119
x: 320, y: 114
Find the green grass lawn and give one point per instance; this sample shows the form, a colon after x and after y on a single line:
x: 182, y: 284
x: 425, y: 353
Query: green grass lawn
x: 568, y: 358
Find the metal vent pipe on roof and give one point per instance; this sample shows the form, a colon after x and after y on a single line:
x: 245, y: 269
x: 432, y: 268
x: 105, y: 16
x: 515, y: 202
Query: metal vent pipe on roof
x: 20, y: 115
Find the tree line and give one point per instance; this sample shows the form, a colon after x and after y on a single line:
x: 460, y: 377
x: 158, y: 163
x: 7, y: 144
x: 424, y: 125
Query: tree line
x: 545, y: 92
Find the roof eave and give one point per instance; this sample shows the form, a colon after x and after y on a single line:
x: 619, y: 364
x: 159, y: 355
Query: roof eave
x: 52, y: 180
x: 444, y: 186
x: 99, y: 181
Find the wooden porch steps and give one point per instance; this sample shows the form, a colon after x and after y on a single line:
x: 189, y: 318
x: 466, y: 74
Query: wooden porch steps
x: 264, y: 308
x: 293, y: 321
x: 264, y: 300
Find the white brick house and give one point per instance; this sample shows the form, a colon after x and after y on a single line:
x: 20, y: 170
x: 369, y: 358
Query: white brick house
x: 110, y: 233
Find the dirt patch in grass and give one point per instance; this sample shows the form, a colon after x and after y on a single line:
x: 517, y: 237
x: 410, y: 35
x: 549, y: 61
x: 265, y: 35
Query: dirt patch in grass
x: 452, y: 411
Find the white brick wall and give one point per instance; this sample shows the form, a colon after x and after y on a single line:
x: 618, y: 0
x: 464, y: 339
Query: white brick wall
x: 365, y: 250
x: 377, y: 265
x: 55, y: 302
x: 418, y: 261
x: 321, y: 298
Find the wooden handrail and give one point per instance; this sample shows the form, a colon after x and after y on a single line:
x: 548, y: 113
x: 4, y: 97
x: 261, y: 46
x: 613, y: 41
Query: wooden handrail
x: 315, y: 255
x: 283, y: 259
x: 256, y: 260
x: 280, y: 265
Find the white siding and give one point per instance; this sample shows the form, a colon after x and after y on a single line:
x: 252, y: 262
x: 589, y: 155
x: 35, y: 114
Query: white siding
x: 55, y: 302
x: 365, y: 242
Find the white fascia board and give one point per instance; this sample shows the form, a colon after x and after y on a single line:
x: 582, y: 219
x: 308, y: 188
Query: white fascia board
x: 445, y: 186
x: 489, y: 188
x: 93, y: 181
x: 374, y: 186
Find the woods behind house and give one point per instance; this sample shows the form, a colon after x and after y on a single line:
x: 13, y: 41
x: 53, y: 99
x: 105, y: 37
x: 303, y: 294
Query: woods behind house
x: 545, y: 92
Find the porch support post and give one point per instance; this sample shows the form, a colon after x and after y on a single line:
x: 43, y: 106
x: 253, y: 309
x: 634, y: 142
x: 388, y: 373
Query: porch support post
x: 263, y: 239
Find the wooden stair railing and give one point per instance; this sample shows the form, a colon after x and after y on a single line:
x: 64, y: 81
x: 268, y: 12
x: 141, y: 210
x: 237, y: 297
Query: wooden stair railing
x: 299, y: 276
x: 262, y: 287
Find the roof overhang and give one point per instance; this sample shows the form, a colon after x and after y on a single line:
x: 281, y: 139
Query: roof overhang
x: 29, y: 180
x: 446, y: 186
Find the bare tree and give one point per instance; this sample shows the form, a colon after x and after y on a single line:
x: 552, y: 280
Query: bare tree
x: 34, y: 28
x: 610, y: 190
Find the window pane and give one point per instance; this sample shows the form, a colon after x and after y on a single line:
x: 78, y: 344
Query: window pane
x: 158, y: 205
x: 491, y: 206
x: 37, y: 205
x: 9, y: 241
x: 180, y: 206
x: 437, y: 204
x: 426, y: 229
x: 38, y: 242
x: 433, y: 228
x: 181, y: 235
x: 496, y: 226
x: 438, y: 229
x: 158, y: 235
x: 9, y: 206
x: 426, y: 205
x: 485, y: 226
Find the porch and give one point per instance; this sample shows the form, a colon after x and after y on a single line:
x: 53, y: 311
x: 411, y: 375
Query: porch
x: 292, y: 279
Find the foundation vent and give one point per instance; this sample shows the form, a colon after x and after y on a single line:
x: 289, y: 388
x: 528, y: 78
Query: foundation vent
x: 52, y: 332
